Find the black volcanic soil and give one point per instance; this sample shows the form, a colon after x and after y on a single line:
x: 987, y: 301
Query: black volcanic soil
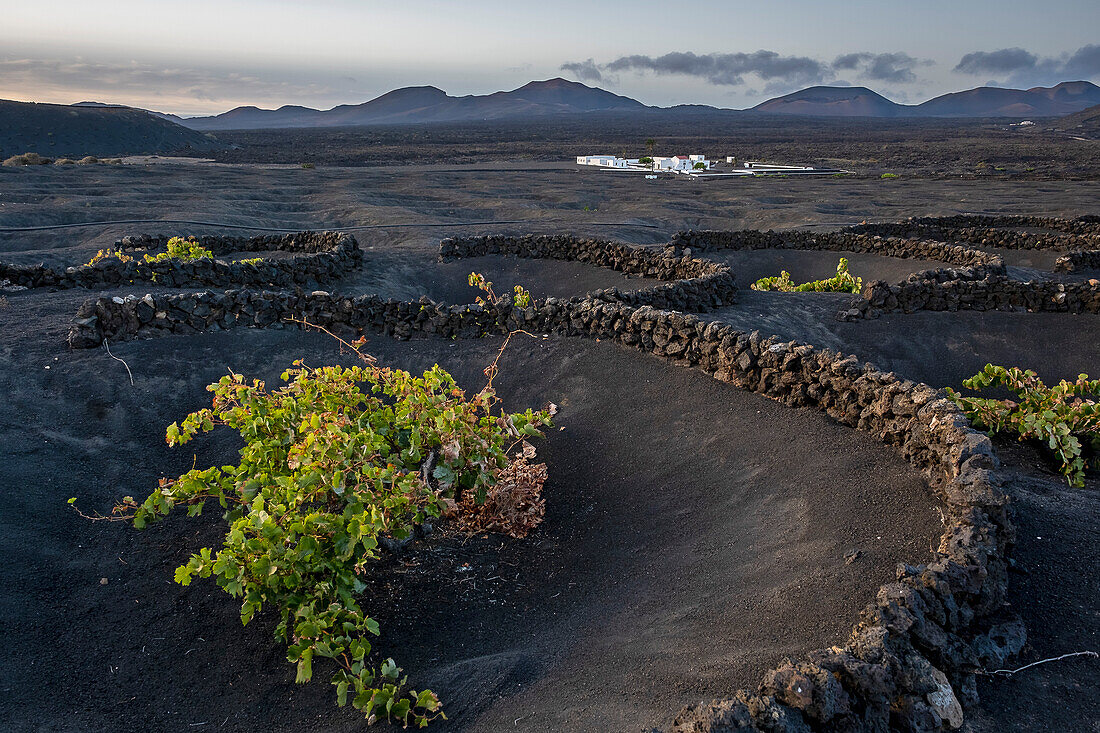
x: 929, y: 148
x: 84, y: 656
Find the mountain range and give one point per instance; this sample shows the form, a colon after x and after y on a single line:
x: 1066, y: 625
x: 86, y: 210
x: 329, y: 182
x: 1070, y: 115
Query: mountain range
x: 429, y: 104
x: 555, y: 97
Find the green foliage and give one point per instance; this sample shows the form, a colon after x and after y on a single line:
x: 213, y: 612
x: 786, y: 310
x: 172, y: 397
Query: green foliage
x: 700, y: 166
x: 521, y: 298
x: 645, y: 160
x: 179, y: 248
x: 308, y: 166
x: 842, y: 282
x: 253, y: 261
x: 889, y: 175
x: 332, y: 461
x: 108, y: 253
x: 1065, y: 417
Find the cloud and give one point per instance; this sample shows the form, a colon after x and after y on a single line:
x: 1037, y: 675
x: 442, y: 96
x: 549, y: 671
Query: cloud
x: 1004, y: 61
x: 1019, y: 67
x: 1084, y: 63
x: 144, y: 85
x: 892, y: 67
x: 584, y: 70
x: 726, y: 69
x: 775, y: 70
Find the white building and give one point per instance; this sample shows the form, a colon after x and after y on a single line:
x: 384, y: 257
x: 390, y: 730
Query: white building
x: 680, y: 163
x: 677, y: 163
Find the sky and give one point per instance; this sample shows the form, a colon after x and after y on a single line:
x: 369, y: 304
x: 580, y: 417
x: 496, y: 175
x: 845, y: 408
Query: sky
x: 208, y: 56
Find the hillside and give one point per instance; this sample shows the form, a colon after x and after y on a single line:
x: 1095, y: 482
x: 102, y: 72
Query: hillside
x: 1082, y: 124
x: 1058, y: 100
x: 832, y: 102
x: 429, y: 104
x: 1055, y: 101
x: 54, y: 130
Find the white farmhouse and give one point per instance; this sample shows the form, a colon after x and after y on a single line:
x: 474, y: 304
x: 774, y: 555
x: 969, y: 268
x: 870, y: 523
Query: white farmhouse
x: 680, y: 163
x: 604, y: 161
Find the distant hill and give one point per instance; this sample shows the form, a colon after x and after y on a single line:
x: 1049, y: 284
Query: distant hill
x: 55, y: 130
x: 832, y: 102
x: 1055, y: 101
x: 1085, y: 123
x: 429, y: 104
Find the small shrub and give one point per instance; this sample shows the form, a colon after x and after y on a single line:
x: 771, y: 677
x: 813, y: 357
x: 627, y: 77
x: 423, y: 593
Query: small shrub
x: 179, y: 248
x: 700, y: 166
x: 521, y: 298
x: 109, y: 253
x: 26, y: 159
x: 308, y: 166
x: 252, y: 261
x: 842, y: 282
x: 1065, y: 417
x: 645, y: 160
x: 889, y: 175
x: 333, y: 462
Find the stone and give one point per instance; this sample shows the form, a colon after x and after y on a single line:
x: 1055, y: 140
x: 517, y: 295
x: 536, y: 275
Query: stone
x: 943, y: 701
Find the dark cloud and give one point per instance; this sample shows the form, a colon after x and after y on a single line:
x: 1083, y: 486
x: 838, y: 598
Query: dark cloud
x: 728, y: 69
x: 1018, y: 67
x: 892, y: 67
x: 775, y: 70
x: 1004, y: 61
x: 584, y: 70
x: 1084, y: 63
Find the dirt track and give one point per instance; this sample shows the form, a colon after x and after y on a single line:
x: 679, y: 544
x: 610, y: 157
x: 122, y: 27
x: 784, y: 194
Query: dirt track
x: 694, y: 543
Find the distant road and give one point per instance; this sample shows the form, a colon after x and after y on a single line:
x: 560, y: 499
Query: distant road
x: 222, y: 225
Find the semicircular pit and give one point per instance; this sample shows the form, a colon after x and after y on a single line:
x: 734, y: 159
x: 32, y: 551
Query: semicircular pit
x: 695, y: 535
x: 749, y: 265
x: 411, y: 274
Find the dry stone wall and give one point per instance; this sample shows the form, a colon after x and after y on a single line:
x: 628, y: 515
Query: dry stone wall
x: 995, y: 231
x: 1088, y: 259
x: 910, y: 662
x: 320, y: 257
x: 988, y: 294
x: 975, y: 262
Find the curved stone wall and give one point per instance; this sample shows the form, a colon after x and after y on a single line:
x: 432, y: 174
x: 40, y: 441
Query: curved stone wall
x: 1088, y: 259
x: 321, y: 256
x: 993, y: 293
x: 910, y: 661
x: 974, y: 264
x: 995, y: 231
